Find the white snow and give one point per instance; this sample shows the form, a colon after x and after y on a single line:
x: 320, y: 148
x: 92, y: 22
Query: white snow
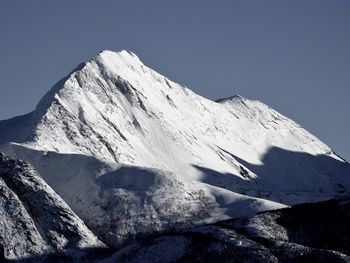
x: 125, y: 144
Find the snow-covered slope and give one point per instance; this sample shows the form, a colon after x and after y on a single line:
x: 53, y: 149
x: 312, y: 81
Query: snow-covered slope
x: 120, y: 202
x: 114, y: 130
x: 34, y: 220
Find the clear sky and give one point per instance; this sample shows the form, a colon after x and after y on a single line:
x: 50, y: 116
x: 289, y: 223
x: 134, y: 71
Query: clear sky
x: 292, y: 55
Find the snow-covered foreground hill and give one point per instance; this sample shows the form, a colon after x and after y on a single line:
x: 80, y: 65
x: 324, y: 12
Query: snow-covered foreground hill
x: 34, y: 220
x: 133, y: 153
x: 304, y: 233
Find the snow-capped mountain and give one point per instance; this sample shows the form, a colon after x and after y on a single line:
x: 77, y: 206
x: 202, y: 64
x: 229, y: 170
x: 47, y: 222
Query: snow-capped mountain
x: 133, y: 153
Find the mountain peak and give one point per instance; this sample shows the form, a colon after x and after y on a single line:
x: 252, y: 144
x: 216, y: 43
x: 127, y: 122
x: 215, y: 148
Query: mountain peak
x: 109, y: 57
x: 122, y: 52
x: 106, y: 66
x: 117, y: 139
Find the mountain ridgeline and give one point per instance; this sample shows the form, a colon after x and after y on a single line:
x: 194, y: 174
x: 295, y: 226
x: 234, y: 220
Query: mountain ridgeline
x: 135, y: 154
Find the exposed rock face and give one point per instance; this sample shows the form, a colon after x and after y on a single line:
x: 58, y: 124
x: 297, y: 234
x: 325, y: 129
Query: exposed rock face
x: 304, y: 233
x: 34, y: 220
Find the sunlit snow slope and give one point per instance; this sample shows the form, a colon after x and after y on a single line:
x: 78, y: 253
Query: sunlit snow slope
x: 134, y: 152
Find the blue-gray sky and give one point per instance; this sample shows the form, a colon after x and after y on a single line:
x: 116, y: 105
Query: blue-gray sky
x: 292, y: 55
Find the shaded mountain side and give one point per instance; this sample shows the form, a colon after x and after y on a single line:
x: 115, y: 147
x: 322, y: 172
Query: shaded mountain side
x: 34, y: 220
x: 313, y: 178
x: 120, y: 203
x: 37, y: 226
x: 304, y: 233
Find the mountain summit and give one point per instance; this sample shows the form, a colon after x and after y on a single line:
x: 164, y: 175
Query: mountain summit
x: 133, y: 153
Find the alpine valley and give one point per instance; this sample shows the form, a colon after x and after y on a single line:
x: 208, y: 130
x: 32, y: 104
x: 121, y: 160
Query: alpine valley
x: 117, y: 163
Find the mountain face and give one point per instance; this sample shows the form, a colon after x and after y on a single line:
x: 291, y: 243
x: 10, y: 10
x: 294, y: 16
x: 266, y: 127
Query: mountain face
x: 133, y: 153
x: 34, y: 220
